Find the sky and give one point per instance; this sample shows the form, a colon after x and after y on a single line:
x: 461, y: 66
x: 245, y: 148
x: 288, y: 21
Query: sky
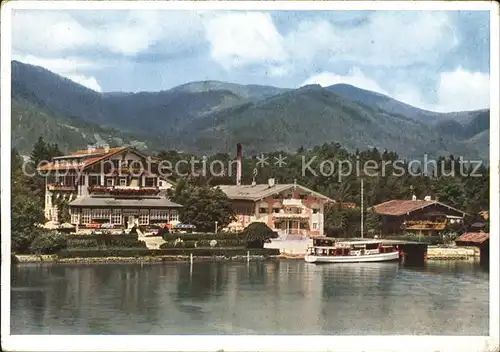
x: 435, y: 60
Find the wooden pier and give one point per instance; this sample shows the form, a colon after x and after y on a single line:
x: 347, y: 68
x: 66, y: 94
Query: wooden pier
x: 413, y: 253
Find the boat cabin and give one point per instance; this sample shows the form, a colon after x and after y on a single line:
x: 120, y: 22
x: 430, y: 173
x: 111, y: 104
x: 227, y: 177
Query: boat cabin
x: 331, y: 247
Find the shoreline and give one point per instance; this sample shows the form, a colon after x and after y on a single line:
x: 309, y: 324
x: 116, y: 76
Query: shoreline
x: 433, y: 254
x: 54, y: 259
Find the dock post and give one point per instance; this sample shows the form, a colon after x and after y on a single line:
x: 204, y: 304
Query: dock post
x: 191, y: 266
x: 248, y: 256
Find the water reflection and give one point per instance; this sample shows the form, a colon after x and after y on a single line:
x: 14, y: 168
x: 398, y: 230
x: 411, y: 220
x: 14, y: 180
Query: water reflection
x: 286, y: 297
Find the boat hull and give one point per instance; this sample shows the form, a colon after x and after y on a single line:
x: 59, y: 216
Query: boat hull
x: 382, y: 257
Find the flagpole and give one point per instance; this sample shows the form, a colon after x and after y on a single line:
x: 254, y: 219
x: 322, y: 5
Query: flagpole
x: 362, y: 212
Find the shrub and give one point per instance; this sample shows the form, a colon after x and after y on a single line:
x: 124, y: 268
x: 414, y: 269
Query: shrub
x: 256, y: 234
x: 48, y: 243
x: 142, y: 252
x: 200, y: 236
x: 105, y: 241
x: 206, y: 243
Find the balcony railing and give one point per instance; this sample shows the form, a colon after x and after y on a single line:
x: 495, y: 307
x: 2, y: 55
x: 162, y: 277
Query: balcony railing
x: 292, y: 202
x: 292, y: 234
x: 129, y: 170
x: 118, y: 191
x: 425, y: 225
x: 290, y: 215
x: 61, y: 187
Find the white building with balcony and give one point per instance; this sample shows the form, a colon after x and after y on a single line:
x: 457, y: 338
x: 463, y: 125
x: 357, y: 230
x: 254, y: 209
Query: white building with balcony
x: 112, y: 188
x: 289, y: 209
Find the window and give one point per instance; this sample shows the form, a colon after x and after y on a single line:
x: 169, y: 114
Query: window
x: 116, y: 217
x: 150, y: 182
x: 82, y: 180
x: 101, y: 214
x: 303, y: 196
x: 110, y: 182
x: 75, y: 216
x: 262, y: 210
x: 315, y: 210
x: 174, y: 215
x: 144, y: 217
x: 276, y: 210
x: 123, y: 181
x: 85, y: 216
x: 124, y: 163
x: 94, y: 180
x: 156, y: 214
x: 53, y: 214
x: 315, y: 225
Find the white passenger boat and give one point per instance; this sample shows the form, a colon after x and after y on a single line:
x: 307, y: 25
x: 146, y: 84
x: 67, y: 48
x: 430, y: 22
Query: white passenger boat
x: 328, y: 250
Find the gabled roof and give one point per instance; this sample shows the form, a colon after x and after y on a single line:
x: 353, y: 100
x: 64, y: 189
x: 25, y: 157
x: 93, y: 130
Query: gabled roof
x: 143, y: 202
x: 401, y: 207
x: 260, y: 191
x: 87, y: 159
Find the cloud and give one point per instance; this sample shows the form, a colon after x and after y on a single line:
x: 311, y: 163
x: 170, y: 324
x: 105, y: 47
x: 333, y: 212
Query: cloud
x: 56, y: 65
x: 45, y: 33
x: 72, y: 68
x: 383, y: 39
x: 435, y: 60
x: 89, y: 82
x: 457, y: 90
x: 463, y: 90
x: 388, y: 39
x: 243, y: 39
x: 355, y: 78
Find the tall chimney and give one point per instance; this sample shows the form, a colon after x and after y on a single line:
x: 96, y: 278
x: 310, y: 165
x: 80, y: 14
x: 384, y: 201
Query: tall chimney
x: 239, y: 155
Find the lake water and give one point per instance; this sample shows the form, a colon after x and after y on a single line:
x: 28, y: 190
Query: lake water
x: 286, y: 297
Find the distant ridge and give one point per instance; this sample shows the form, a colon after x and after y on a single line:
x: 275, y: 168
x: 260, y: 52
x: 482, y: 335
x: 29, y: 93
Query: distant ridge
x: 211, y: 116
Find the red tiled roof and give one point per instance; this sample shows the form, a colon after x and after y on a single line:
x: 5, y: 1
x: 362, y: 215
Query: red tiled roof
x: 474, y: 237
x: 400, y: 207
x: 96, y: 151
x: 93, y: 158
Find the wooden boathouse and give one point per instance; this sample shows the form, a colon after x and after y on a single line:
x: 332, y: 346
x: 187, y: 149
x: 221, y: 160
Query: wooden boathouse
x: 477, y: 239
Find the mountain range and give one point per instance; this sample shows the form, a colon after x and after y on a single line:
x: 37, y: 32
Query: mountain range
x: 210, y: 116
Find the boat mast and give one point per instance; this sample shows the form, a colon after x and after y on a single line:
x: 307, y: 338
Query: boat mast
x: 362, y: 212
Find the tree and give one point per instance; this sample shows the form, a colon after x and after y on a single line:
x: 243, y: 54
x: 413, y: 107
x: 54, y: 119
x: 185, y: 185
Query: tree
x: 41, y: 152
x: 202, y: 205
x: 372, y: 223
x: 335, y: 221
x: 63, y: 210
x: 26, y: 210
x: 256, y: 234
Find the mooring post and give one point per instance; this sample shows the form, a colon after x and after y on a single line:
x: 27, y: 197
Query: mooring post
x: 191, y: 258
x: 248, y: 256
